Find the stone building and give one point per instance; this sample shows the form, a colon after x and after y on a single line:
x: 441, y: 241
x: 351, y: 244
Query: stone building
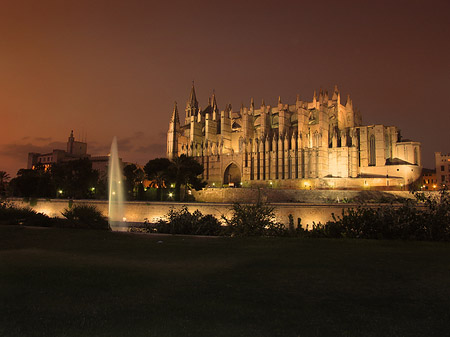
x: 428, y: 180
x: 309, y: 144
x: 74, y: 150
x: 442, y: 168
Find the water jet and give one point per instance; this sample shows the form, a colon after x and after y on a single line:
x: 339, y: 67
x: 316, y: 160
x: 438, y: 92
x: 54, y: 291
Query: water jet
x: 115, y: 190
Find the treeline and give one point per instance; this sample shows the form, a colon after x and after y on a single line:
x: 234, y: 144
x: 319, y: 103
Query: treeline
x: 159, y: 179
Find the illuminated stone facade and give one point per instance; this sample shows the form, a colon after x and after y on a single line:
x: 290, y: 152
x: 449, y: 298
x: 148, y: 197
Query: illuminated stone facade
x: 442, y: 169
x: 74, y: 150
x: 309, y: 144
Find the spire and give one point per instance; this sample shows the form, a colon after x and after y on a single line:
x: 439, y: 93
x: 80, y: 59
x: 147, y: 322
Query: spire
x: 298, y: 98
x: 349, y: 102
x: 252, y: 103
x: 336, y: 95
x: 213, y: 101
x: 279, y: 99
x: 175, y: 118
x: 71, y: 134
x: 315, y: 97
x: 262, y: 103
x: 192, y: 102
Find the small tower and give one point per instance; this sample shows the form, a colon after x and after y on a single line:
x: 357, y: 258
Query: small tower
x: 76, y: 148
x: 192, y: 104
x: 70, y: 142
x: 336, y: 95
x: 172, y: 134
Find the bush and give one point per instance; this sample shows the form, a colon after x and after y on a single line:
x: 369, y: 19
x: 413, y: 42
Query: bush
x: 184, y: 222
x: 429, y: 220
x: 10, y: 215
x: 254, y: 220
x: 85, y: 216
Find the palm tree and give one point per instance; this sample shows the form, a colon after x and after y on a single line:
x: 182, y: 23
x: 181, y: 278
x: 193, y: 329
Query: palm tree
x: 157, y: 171
x: 185, y: 171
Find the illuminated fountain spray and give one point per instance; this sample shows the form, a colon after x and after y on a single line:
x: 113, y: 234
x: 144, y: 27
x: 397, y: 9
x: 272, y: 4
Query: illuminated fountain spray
x: 116, y: 190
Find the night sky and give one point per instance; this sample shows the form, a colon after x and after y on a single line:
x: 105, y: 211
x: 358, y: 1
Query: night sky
x: 115, y: 68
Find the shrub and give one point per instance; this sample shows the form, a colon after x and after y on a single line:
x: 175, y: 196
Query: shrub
x: 428, y: 220
x: 85, y: 216
x: 184, y: 222
x: 254, y: 220
x: 11, y: 215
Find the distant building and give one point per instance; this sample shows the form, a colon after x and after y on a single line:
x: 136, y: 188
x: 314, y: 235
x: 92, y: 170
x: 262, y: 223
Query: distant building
x: 309, y: 144
x: 74, y: 150
x: 442, y: 168
x: 428, y: 180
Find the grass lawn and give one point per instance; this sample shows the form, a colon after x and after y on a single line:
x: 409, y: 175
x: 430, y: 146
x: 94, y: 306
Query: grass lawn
x: 63, y: 282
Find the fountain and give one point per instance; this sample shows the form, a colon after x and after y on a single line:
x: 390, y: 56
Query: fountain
x: 116, y: 191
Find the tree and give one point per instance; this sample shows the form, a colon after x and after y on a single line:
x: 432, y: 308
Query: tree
x: 32, y: 183
x: 75, y: 178
x: 157, y: 171
x: 133, y: 179
x: 182, y: 170
x: 185, y: 172
x: 4, y: 178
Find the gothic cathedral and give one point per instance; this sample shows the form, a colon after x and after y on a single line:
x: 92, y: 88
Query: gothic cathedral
x: 320, y: 144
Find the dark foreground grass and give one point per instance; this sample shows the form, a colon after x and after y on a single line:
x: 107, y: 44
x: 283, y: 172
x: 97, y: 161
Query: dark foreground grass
x: 63, y: 282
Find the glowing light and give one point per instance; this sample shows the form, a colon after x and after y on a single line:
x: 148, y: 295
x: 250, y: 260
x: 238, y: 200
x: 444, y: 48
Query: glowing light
x: 214, y: 184
x: 60, y: 191
x: 92, y: 189
x: 113, y: 193
x: 170, y: 195
x: 172, y: 185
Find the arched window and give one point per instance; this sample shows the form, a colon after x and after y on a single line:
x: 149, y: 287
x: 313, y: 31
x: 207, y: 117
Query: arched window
x: 416, y: 156
x: 372, y: 155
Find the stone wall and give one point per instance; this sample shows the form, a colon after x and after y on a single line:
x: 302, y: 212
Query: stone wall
x: 152, y: 211
x: 294, y: 195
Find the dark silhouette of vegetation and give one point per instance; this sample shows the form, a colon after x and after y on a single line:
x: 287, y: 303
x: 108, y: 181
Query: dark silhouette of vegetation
x: 80, y: 216
x: 85, y: 216
x: 134, y: 177
x: 73, y: 179
x: 184, y: 222
x: 185, y: 172
x: 427, y: 220
x: 157, y: 171
x: 181, y: 172
x: 254, y: 220
x: 4, y: 178
x: 33, y: 183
